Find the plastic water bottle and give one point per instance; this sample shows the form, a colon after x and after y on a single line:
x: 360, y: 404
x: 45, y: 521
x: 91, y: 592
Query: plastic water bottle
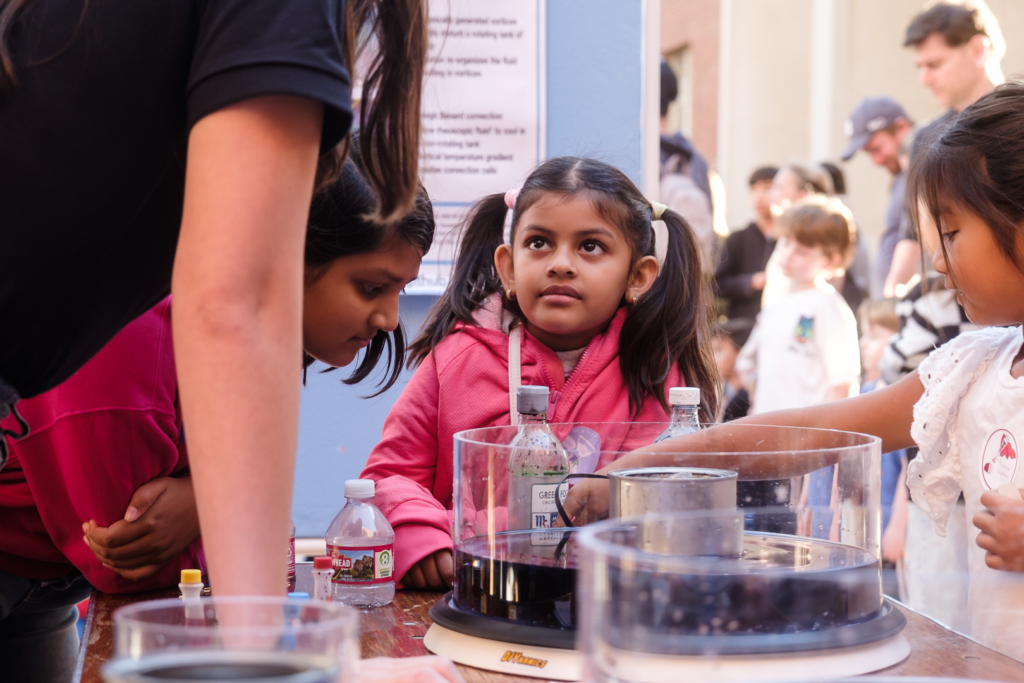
x: 361, y: 545
x: 291, y: 557
x: 538, y: 462
x: 685, y: 402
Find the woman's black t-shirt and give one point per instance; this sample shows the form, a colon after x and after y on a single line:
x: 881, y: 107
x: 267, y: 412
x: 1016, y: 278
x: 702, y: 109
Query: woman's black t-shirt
x: 92, y: 151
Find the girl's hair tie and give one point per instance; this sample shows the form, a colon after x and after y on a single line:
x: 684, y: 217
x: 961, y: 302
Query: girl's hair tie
x: 510, y: 198
x: 656, y: 210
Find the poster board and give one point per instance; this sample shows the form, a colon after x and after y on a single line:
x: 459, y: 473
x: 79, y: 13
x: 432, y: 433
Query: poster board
x: 483, y: 114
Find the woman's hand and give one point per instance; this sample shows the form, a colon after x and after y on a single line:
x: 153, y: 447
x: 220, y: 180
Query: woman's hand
x: 1002, y: 531
x: 433, y: 572
x: 160, y: 522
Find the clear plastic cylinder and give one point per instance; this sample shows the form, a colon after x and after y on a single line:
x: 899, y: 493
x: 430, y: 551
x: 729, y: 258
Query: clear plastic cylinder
x: 235, y: 638
x: 821, y: 486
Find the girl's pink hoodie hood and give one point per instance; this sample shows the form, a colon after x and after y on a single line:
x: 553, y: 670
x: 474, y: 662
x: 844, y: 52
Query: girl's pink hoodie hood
x: 463, y: 385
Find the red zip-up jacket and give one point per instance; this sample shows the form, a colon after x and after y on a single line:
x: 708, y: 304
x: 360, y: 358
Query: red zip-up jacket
x: 463, y: 385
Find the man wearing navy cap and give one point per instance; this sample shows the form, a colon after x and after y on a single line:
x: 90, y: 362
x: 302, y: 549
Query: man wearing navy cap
x: 879, y: 126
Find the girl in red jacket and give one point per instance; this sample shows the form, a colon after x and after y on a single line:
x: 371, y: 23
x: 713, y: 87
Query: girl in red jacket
x: 594, y: 314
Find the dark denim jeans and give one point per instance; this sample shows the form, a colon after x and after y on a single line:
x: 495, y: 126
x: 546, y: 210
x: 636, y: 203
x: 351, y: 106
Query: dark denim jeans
x: 38, y: 633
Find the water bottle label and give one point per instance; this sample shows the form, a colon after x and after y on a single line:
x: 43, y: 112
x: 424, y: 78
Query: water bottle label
x: 544, y: 513
x: 372, y: 564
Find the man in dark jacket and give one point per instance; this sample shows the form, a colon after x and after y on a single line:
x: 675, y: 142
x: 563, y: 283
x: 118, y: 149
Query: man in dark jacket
x: 739, y: 278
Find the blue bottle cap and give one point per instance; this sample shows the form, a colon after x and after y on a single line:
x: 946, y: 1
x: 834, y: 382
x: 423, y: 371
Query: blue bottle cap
x: 299, y: 595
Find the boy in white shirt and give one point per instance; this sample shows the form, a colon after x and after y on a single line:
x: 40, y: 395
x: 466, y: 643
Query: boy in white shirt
x: 804, y: 349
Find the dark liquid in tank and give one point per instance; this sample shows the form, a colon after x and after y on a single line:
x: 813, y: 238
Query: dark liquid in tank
x: 521, y: 582
x: 780, y: 585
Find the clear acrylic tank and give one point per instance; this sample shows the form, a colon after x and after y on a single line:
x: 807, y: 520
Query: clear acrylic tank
x: 757, y: 541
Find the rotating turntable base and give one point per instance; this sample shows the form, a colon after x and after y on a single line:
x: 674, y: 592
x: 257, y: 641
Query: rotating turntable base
x: 567, y: 665
x: 554, y: 664
x: 785, y: 609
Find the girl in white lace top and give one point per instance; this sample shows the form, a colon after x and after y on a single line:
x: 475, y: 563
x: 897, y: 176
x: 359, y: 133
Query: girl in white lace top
x: 964, y: 405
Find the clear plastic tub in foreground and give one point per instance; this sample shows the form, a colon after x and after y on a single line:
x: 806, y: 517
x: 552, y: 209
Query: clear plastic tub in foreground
x: 277, y: 640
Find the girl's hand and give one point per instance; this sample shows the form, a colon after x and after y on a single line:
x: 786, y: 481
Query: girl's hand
x: 427, y: 669
x: 894, y: 541
x: 160, y: 522
x: 1002, y: 532
x: 433, y: 572
x: 587, y: 500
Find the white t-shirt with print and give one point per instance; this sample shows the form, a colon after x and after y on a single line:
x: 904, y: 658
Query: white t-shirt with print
x: 803, y: 344
x: 969, y: 425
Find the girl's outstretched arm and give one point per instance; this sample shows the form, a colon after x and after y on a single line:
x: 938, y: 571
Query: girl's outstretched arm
x: 237, y: 328
x: 886, y: 413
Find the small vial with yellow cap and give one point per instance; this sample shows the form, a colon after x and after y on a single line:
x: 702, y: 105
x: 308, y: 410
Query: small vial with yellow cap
x: 191, y: 584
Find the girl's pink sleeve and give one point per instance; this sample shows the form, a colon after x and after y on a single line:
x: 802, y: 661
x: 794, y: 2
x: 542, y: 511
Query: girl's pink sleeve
x: 404, y: 465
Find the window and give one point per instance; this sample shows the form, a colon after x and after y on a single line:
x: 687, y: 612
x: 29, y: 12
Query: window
x: 680, y: 112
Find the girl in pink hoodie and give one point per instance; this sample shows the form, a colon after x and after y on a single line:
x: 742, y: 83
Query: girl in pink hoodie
x: 579, y: 292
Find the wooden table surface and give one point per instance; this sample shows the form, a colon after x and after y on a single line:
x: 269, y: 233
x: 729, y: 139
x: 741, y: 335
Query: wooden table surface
x: 397, y: 630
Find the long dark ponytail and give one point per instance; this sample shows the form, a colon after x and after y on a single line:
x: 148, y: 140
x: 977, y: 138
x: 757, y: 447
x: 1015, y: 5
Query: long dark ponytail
x: 389, y: 117
x: 669, y: 324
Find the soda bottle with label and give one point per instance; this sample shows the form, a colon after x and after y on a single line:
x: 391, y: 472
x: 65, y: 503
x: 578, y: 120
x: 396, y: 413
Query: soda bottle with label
x: 360, y: 543
x: 538, y: 462
x: 685, y: 402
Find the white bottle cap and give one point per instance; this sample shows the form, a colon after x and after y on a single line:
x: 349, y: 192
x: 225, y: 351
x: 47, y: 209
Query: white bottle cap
x: 532, y: 400
x: 359, y: 488
x: 684, y: 396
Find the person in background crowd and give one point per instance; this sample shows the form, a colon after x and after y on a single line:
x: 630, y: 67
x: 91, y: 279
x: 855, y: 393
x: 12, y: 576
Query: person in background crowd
x: 957, y: 47
x: 851, y: 282
x: 726, y: 341
x: 803, y: 350
x: 880, y: 126
x: 793, y: 182
x: 740, y: 277
x: 686, y: 179
x: 878, y: 322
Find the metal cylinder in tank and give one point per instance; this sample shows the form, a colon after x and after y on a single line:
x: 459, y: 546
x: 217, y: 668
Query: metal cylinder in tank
x: 648, y: 491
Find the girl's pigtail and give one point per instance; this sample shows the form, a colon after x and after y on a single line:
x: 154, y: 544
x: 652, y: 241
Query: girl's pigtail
x: 474, y: 277
x: 671, y: 322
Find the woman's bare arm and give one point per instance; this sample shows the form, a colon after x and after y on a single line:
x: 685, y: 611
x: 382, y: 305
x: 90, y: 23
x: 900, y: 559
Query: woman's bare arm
x: 237, y: 328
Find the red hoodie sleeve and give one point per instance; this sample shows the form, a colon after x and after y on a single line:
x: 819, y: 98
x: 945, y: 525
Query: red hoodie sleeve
x: 404, y: 465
